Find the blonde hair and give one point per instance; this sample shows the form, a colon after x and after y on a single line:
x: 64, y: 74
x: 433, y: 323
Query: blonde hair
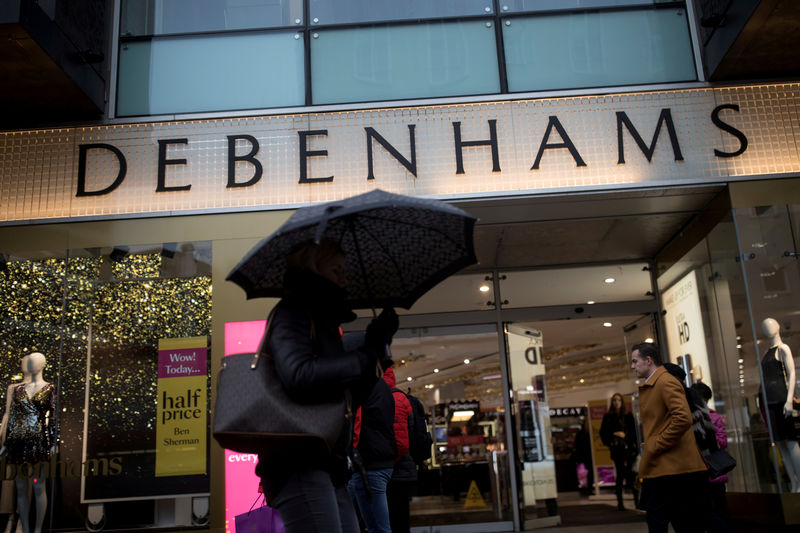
x: 309, y: 256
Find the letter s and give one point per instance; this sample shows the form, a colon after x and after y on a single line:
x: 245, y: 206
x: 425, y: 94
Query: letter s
x: 730, y: 129
x: 115, y: 466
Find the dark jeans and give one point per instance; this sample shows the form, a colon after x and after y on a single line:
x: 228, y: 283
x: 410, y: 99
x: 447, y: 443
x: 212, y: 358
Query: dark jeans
x: 682, y: 500
x: 309, y: 503
x: 373, y: 506
x: 398, y: 496
x: 622, y: 467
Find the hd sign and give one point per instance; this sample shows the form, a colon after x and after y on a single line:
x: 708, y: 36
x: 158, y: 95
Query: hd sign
x: 686, y: 338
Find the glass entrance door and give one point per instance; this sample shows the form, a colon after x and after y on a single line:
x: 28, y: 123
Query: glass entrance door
x: 455, y: 372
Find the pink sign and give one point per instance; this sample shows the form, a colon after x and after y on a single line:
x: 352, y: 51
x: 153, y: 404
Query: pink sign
x: 182, y: 363
x: 241, y: 482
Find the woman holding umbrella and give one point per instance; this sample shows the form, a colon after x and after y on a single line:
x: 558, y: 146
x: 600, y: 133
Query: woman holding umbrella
x: 308, y: 490
x: 375, y: 249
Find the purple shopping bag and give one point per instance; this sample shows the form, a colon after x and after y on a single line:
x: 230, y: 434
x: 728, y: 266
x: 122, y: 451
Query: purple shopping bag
x: 262, y: 519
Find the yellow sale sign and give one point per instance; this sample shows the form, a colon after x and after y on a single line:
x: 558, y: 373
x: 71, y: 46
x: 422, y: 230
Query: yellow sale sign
x: 182, y: 419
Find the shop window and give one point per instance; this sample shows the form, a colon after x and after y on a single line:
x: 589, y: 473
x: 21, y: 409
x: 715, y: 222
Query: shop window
x: 408, y: 61
x: 162, y: 17
x: 769, y: 260
x: 125, y: 333
x: 710, y: 332
x: 456, y: 373
x: 598, y: 49
x: 210, y: 73
x: 333, y: 12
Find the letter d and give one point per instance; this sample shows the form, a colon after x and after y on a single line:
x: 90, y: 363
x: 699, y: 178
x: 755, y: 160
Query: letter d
x: 82, y: 151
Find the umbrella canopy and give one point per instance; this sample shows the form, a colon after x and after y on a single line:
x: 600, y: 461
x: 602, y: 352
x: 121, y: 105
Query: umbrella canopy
x: 396, y: 247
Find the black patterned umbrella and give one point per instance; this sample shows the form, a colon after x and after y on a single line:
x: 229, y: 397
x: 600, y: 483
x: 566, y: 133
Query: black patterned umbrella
x: 396, y: 247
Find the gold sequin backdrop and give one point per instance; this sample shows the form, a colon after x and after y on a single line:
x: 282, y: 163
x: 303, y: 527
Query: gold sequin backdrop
x: 115, y: 310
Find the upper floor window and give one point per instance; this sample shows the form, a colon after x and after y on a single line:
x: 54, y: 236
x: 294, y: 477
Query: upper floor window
x: 196, y: 56
x: 164, y: 17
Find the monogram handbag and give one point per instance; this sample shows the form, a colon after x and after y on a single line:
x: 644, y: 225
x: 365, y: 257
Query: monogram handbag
x: 253, y: 413
x: 719, y: 462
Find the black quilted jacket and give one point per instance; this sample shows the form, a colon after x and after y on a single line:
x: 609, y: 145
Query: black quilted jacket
x: 312, y: 365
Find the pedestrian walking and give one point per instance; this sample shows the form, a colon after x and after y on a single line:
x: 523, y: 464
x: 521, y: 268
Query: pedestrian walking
x: 308, y: 490
x: 719, y: 502
x: 675, y: 486
x: 618, y: 433
x: 404, y: 473
x: 374, y: 442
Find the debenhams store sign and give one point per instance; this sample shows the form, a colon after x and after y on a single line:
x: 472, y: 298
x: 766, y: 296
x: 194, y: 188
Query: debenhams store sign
x: 515, y: 147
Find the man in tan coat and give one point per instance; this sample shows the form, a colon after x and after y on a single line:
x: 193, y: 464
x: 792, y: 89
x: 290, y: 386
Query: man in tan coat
x: 674, y: 474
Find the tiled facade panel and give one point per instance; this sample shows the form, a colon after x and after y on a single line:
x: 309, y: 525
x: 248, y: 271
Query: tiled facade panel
x: 39, y: 169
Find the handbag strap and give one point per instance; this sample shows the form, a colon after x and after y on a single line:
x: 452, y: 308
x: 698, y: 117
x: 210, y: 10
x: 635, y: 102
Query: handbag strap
x: 263, y: 342
x: 265, y: 337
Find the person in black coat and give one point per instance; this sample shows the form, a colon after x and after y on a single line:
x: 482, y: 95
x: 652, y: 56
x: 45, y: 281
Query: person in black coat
x: 308, y: 489
x: 618, y: 432
x: 374, y: 439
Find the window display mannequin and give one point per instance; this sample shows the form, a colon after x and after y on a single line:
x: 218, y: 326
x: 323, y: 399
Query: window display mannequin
x: 28, y: 437
x: 777, y: 369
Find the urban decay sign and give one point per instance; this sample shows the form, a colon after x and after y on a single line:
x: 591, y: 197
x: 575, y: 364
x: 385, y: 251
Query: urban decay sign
x: 447, y: 151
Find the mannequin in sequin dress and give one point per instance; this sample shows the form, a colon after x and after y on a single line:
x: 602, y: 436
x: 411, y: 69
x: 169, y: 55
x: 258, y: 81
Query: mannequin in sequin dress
x: 778, y: 372
x: 28, y: 437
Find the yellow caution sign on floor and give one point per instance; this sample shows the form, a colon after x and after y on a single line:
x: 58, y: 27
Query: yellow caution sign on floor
x: 474, y: 497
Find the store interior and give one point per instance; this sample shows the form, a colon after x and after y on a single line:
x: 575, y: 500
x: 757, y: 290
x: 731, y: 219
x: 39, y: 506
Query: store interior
x: 573, y: 268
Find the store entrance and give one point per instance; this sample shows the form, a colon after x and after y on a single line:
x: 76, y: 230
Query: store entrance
x: 563, y: 374
x: 499, y: 359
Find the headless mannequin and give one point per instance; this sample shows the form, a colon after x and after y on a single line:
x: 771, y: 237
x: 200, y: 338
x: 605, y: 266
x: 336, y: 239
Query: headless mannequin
x: 790, y: 450
x: 32, y: 367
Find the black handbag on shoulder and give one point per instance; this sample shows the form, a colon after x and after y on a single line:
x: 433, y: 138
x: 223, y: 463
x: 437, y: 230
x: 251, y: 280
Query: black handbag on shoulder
x: 719, y: 462
x: 253, y: 413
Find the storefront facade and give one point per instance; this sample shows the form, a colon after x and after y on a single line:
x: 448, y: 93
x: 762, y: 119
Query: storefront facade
x: 114, y: 236
x: 607, y: 156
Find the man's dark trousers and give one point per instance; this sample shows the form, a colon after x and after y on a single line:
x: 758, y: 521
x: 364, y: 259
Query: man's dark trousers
x: 681, y: 499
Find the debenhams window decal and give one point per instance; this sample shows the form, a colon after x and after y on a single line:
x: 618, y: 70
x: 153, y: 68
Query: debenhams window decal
x: 546, y: 145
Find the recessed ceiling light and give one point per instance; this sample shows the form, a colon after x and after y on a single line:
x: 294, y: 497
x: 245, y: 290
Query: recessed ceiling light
x: 409, y: 378
x: 484, y: 288
x: 648, y: 339
x: 590, y: 302
x: 581, y: 380
x: 466, y: 361
x: 741, y: 360
x: 609, y: 280
x: 563, y: 377
x: 435, y: 370
x: 607, y: 324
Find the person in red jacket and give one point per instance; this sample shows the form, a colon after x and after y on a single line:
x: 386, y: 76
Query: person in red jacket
x: 404, y: 475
